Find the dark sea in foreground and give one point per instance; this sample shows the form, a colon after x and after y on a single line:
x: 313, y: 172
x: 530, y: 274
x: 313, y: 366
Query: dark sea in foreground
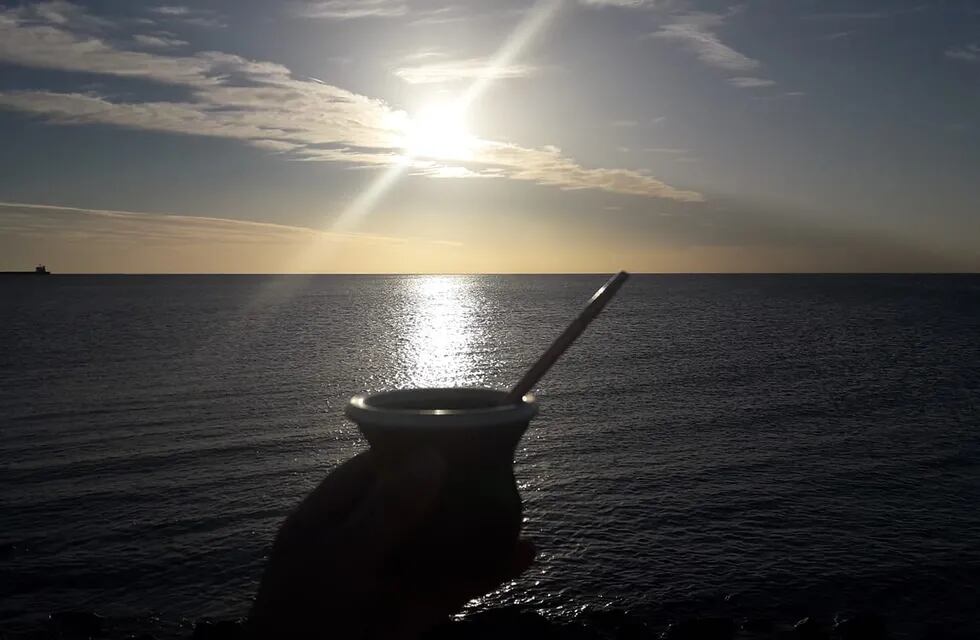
x: 769, y: 447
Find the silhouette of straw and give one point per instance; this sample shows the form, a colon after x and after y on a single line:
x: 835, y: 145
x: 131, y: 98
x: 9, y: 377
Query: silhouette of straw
x: 567, y: 337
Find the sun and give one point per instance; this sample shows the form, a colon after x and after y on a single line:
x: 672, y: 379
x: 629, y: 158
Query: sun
x: 439, y: 132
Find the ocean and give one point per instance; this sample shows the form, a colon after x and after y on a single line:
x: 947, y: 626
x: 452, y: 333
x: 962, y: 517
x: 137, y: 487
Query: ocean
x: 763, y: 447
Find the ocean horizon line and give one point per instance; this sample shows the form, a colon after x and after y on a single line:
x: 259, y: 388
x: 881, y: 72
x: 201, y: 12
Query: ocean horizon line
x: 512, y: 273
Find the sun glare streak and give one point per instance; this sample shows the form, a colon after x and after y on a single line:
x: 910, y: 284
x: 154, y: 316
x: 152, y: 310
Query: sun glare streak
x: 537, y: 18
x: 305, y: 261
x: 368, y: 198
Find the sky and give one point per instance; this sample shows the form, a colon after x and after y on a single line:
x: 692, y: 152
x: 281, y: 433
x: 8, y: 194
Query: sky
x: 460, y: 136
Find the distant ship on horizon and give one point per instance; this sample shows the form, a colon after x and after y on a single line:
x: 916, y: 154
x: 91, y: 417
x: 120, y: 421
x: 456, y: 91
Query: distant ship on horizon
x: 39, y: 270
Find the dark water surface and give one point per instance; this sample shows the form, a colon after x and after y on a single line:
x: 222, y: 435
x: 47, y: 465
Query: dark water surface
x: 800, y: 444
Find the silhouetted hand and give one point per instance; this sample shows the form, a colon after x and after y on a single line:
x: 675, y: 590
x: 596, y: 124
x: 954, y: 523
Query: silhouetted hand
x: 327, y: 573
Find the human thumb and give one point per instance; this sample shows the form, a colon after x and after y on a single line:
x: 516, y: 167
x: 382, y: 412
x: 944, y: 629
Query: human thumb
x: 405, y: 494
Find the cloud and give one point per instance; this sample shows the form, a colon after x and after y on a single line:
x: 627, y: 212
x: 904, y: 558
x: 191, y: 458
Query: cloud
x: 107, y: 223
x: 428, y: 14
x: 264, y: 105
x: 275, y: 145
x: 98, y: 240
x: 61, y: 12
x: 695, y: 33
x: 352, y: 9
x: 659, y: 5
x: 547, y: 165
x: 205, y: 22
x: 228, y: 112
x: 745, y: 82
x: 848, y: 15
x: 446, y: 15
x: 969, y: 53
x: 204, y: 18
x: 436, y: 171
x: 56, y: 12
x: 630, y: 4
x: 53, y: 46
x: 171, y: 11
x: 458, y: 70
x: 158, y: 42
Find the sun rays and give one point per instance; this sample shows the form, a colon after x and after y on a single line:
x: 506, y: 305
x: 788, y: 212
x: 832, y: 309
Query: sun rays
x: 440, y: 131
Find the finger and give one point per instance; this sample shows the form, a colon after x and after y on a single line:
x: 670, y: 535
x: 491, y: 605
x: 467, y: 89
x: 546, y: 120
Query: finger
x: 338, y: 493
x: 405, y: 493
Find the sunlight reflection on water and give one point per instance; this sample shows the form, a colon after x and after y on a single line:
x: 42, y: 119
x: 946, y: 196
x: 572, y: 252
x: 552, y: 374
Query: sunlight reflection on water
x: 444, y: 332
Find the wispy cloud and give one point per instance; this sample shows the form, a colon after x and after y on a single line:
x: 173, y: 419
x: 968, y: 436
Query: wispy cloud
x: 969, y: 53
x: 542, y: 165
x: 696, y: 32
x: 456, y: 70
x: 148, y: 225
x: 658, y: 5
x: 101, y: 240
x: 631, y: 4
x: 442, y: 15
x: 436, y: 171
x: 275, y: 145
x: 352, y: 9
x: 263, y: 104
x: 418, y: 14
x: 887, y: 10
x: 848, y: 15
x: 747, y: 82
x: 49, y: 46
x: 171, y: 10
x: 547, y: 165
x: 158, y: 42
x: 61, y: 12
x: 204, y: 18
x: 243, y: 113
